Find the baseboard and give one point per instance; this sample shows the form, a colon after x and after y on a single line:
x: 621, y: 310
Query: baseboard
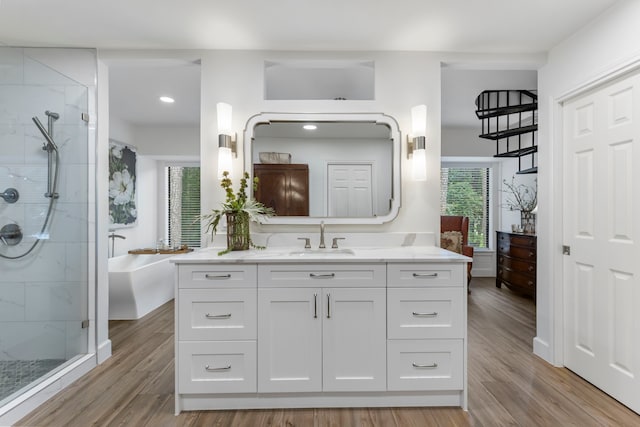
x: 542, y: 350
x: 104, y: 351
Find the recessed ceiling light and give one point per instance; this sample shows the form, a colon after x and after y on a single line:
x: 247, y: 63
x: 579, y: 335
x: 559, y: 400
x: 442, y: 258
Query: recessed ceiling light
x: 310, y: 127
x: 167, y: 99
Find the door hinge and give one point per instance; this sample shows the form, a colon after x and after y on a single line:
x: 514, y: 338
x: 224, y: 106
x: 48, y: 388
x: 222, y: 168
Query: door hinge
x: 85, y: 117
x: 566, y: 250
x: 85, y: 324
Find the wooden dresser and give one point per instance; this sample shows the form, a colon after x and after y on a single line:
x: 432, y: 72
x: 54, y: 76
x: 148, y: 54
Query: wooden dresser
x: 283, y: 187
x: 516, y: 262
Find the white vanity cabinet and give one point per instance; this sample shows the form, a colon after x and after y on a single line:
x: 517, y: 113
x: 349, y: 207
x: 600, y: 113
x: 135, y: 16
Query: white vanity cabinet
x: 426, y: 327
x: 216, y: 329
x: 321, y: 339
x: 267, y: 332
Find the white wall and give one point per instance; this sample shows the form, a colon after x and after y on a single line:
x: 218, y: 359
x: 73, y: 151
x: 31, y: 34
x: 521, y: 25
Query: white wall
x: 402, y: 81
x: 607, y: 44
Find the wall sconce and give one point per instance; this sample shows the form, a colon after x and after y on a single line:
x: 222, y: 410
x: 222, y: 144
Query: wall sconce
x: 416, y: 144
x: 226, y: 142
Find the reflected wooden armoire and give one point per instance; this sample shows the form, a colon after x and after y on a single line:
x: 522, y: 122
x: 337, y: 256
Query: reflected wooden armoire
x: 284, y: 187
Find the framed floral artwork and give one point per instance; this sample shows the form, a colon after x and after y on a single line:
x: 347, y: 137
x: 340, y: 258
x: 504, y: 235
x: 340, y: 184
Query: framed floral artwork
x: 122, y: 185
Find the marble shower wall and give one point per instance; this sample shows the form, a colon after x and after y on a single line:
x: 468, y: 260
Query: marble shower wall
x: 43, y: 296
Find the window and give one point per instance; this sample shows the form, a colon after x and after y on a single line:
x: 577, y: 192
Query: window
x: 466, y: 191
x: 183, y: 185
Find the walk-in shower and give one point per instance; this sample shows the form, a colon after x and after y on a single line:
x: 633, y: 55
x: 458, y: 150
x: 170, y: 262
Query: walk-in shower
x: 45, y: 210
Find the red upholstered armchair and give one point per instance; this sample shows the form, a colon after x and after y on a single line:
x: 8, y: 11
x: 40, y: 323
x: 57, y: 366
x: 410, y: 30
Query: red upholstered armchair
x: 461, y: 224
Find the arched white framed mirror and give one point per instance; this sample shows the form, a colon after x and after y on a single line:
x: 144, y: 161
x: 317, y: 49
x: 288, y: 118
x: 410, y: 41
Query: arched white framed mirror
x: 344, y: 171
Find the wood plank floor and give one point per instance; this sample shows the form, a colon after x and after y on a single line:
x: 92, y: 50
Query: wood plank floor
x: 508, y: 385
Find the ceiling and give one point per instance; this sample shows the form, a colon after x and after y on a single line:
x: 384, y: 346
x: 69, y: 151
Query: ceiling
x: 486, y: 26
x: 505, y: 26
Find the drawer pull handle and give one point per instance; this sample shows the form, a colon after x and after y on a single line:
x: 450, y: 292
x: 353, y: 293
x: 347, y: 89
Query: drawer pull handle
x: 425, y: 275
x: 218, y: 316
x: 322, y: 276
x: 432, y: 366
x: 218, y: 276
x: 434, y: 314
x: 224, y: 368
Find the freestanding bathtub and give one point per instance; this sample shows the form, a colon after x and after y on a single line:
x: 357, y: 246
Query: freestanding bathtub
x: 139, y: 284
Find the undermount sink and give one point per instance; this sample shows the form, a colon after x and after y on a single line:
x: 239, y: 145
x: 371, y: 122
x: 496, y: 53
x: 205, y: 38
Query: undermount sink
x: 322, y: 252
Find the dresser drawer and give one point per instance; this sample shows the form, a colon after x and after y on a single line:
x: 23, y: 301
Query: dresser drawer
x: 217, y: 276
x: 424, y: 365
x: 523, y: 240
x: 322, y: 275
x: 525, y: 267
x: 425, y: 313
x: 217, y: 314
x: 514, y: 278
x: 410, y: 275
x: 217, y: 367
x: 520, y: 252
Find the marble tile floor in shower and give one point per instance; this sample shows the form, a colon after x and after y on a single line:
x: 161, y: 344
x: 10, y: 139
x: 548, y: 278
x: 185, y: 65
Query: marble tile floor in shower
x: 16, y: 374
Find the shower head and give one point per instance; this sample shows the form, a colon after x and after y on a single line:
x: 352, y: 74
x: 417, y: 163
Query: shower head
x: 54, y: 116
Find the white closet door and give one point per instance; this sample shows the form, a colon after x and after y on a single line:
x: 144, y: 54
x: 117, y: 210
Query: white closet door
x: 602, y: 227
x: 350, y: 190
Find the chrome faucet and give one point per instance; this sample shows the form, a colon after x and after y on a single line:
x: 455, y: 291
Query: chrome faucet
x: 113, y: 236
x: 322, y: 246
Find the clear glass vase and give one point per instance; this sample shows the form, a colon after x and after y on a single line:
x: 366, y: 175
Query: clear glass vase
x: 238, y: 237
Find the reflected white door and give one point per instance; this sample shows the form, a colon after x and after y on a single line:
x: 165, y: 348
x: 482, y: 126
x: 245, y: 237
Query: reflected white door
x: 602, y: 228
x: 350, y: 190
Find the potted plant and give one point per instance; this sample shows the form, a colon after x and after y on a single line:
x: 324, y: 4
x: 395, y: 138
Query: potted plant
x: 523, y: 198
x: 238, y: 209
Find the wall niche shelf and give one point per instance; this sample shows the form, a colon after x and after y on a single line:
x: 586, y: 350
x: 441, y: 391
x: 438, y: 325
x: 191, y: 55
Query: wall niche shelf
x: 510, y: 118
x: 319, y: 80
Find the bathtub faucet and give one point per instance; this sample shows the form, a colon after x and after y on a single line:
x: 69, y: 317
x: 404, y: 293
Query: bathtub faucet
x: 113, y: 236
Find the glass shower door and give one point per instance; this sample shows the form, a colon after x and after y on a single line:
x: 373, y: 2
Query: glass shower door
x: 44, y: 237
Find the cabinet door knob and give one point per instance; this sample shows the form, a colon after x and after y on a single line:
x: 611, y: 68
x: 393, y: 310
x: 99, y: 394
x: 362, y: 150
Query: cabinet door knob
x: 315, y: 306
x: 328, y: 306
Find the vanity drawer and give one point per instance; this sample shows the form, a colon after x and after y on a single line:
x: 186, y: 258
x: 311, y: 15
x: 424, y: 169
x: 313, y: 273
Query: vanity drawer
x: 217, y: 314
x: 322, y: 275
x: 411, y: 275
x: 424, y: 365
x: 217, y: 276
x: 425, y: 313
x: 217, y: 367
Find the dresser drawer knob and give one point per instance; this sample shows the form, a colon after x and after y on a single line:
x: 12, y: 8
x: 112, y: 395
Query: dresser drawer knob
x: 218, y: 316
x: 531, y: 268
x: 210, y: 369
x: 532, y: 254
x: 418, y: 275
x: 432, y: 366
x: 434, y: 314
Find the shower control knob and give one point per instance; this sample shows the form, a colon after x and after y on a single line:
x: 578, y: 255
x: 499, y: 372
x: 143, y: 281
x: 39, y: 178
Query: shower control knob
x: 11, y: 234
x: 10, y: 195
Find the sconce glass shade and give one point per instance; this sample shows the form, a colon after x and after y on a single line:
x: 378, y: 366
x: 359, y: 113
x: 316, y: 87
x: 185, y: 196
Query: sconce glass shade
x: 419, y: 165
x: 225, y: 161
x: 224, y: 118
x: 419, y: 120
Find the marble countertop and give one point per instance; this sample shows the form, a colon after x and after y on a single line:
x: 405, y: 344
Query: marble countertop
x: 282, y: 254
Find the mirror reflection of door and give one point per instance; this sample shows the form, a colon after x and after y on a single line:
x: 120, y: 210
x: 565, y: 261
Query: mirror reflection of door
x: 350, y: 192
